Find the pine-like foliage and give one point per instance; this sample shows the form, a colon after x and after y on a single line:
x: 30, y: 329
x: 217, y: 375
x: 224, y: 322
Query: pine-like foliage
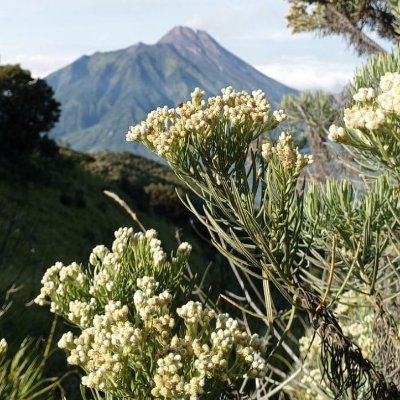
x: 354, y: 20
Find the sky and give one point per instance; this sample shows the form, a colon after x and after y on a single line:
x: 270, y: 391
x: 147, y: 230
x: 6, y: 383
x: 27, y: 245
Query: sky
x: 45, y: 35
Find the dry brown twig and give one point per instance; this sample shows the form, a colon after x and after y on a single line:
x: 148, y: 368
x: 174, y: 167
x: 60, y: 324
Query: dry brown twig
x: 125, y: 206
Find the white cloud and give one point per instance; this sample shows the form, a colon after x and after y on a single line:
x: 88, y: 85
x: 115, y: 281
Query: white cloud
x: 39, y: 64
x: 310, y: 73
x: 254, y: 19
x: 278, y: 34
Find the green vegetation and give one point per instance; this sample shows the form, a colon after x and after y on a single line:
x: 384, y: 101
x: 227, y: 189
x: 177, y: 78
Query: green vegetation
x: 27, y: 112
x: 23, y: 377
x: 314, y: 266
x: 353, y: 20
x: 138, y: 335
x: 61, y: 209
x: 310, y: 116
x: 313, y: 243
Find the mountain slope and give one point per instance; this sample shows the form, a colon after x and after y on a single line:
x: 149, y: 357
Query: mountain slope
x: 58, y: 212
x: 102, y: 94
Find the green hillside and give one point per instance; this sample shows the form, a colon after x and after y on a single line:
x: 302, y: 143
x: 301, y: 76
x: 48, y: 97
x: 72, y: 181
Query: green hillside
x: 103, y: 94
x: 55, y: 210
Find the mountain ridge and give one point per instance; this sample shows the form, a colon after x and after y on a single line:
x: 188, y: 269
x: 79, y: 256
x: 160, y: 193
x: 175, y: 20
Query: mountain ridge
x: 102, y: 94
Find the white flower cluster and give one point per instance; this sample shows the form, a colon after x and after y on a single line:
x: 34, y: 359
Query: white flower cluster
x: 193, y: 312
x: 357, y: 317
x: 103, y: 278
x: 389, y: 99
x: 372, y: 109
x: 98, y: 254
x: 81, y: 313
x: 363, y: 117
x: 129, y: 329
x: 312, y: 379
x: 113, y: 342
x: 210, y: 359
x: 337, y: 134
x: 3, y: 348
x: 364, y: 94
x: 316, y: 388
x: 109, y: 263
x: 58, y: 283
x: 66, y: 341
x: 230, y: 333
x: 77, y: 294
x: 360, y: 333
x: 308, y: 349
x: 169, y: 380
x: 104, y: 349
x: 153, y: 309
x: 159, y: 256
x: 290, y: 157
x: 122, y: 237
x: 184, y: 247
x: 166, y: 128
x: 279, y: 115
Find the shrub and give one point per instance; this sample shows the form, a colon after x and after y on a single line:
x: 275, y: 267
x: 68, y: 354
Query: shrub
x: 330, y: 250
x: 163, y: 198
x: 27, y: 112
x: 134, y: 342
x: 312, y: 243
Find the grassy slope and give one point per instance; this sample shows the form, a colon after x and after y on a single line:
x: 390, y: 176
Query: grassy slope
x: 60, y: 214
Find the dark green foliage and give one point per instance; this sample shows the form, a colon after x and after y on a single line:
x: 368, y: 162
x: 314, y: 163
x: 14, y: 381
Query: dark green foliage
x: 164, y: 199
x: 27, y: 112
x: 353, y: 20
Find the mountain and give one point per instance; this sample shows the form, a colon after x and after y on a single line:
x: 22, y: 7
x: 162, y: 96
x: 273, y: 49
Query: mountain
x: 103, y: 94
